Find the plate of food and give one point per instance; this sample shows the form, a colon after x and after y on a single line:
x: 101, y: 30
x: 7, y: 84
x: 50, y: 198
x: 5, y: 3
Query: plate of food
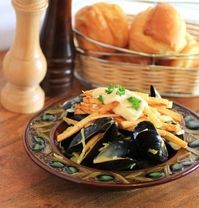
x: 115, y: 138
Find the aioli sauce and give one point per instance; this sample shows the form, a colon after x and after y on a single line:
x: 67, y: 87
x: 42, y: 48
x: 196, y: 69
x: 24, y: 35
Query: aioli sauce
x: 125, y: 108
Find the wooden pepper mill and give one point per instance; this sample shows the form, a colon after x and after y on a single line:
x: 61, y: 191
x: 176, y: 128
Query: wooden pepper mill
x: 24, y: 65
x: 57, y: 44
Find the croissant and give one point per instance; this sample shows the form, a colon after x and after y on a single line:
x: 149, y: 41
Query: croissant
x: 106, y: 23
x: 159, y: 29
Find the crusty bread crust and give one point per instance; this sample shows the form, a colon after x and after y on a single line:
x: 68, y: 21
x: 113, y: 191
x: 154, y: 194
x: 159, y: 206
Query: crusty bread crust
x: 160, y: 29
x: 106, y: 23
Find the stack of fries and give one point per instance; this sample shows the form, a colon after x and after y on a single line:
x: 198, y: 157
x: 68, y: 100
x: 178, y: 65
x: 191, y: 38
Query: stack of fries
x: 159, y: 112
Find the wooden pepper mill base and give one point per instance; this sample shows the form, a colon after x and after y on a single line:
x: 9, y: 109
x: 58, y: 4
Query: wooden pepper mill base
x: 20, y: 101
x: 24, y: 65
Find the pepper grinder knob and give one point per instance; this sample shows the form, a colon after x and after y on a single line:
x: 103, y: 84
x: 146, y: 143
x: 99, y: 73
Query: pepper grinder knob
x: 24, y: 65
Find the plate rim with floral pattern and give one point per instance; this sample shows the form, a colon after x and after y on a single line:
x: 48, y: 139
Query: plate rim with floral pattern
x: 39, y: 146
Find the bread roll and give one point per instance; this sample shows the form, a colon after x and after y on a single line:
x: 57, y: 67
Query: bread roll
x: 131, y: 59
x: 103, y: 22
x: 190, y: 60
x: 160, y: 29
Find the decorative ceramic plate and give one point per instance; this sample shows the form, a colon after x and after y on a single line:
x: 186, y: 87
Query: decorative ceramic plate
x: 41, y: 146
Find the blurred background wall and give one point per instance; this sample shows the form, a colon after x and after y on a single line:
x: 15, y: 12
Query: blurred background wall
x: 7, y: 15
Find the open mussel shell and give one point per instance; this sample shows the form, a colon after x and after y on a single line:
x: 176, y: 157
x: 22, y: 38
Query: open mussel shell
x: 77, y: 117
x: 109, y: 135
x: 69, y: 105
x: 144, y: 126
x: 70, y: 109
x: 150, y: 144
x: 154, y: 92
x: 100, y: 125
x: 114, y: 156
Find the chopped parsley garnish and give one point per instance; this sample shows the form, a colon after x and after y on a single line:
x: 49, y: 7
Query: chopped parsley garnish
x: 110, y: 89
x: 101, y: 98
x: 135, y: 102
x: 120, y: 90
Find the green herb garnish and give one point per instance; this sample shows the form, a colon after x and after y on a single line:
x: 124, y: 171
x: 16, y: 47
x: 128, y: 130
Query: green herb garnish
x: 120, y: 90
x: 135, y: 102
x: 101, y: 98
x: 110, y: 89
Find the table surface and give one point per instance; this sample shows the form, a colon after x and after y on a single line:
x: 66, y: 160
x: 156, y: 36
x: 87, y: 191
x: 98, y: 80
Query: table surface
x: 24, y: 184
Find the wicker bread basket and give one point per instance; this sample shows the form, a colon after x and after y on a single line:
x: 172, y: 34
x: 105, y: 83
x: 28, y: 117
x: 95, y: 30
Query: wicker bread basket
x: 93, y: 68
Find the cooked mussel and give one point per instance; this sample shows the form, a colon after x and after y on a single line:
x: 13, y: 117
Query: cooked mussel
x: 77, y: 117
x: 69, y: 105
x: 100, y: 125
x: 115, y: 156
x: 95, y: 143
x: 154, y: 92
x: 149, y: 143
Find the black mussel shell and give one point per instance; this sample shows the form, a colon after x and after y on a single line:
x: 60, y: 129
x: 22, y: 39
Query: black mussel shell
x: 114, y: 156
x: 151, y: 146
x: 143, y: 126
x: 100, y: 125
x: 149, y: 143
x: 69, y: 105
x: 77, y: 117
x: 154, y: 92
x: 112, y: 132
x: 109, y: 135
x: 143, y: 163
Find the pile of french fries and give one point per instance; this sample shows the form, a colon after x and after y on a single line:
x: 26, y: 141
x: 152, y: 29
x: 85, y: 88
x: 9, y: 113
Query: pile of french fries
x: 159, y: 112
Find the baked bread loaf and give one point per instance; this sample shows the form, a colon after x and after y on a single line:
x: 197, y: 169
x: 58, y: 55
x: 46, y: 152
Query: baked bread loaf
x: 131, y: 59
x: 159, y: 29
x: 190, y: 60
x: 106, y: 23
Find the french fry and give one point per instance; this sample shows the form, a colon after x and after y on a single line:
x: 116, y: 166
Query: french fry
x: 119, y: 119
x: 91, y: 100
x: 158, y: 105
x: 157, y: 101
x: 87, y: 93
x: 130, y: 125
x: 176, y: 116
x: 88, y: 146
x: 171, y: 137
x: 157, y: 123
x: 86, y: 108
x: 107, y: 108
x: 74, y: 129
x: 79, y: 111
x: 70, y: 121
x: 171, y: 127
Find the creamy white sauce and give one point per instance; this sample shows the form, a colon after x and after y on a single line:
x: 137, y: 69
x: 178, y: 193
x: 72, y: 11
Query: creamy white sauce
x: 125, y: 108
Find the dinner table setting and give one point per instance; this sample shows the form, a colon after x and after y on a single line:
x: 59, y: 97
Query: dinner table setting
x: 99, y: 108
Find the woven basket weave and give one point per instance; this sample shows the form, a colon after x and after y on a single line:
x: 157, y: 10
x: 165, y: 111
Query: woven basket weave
x: 170, y: 81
